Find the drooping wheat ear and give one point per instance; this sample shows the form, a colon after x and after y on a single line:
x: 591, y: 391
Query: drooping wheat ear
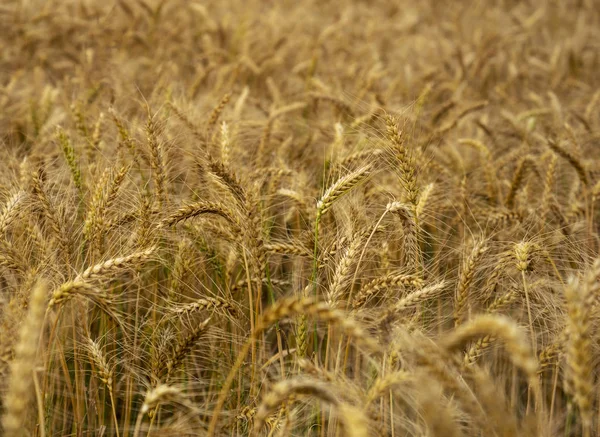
x: 342, y: 186
x: 519, y: 177
x: 391, y: 280
x: 230, y: 181
x: 548, y: 187
x: 353, y: 419
x: 493, y: 399
x: 484, y: 342
x: 243, y: 283
x: 442, y: 110
x: 411, y: 235
x: 579, y: 378
x: 69, y: 152
x: 502, y: 217
x: 440, y: 416
x: 383, y: 384
x: 410, y: 300
x: 465, y: 278
x: 571, y: 159
x: 287, y: 248
x: 293, y: 306
x: 354, y: 159
x: 315, y: 371
x: 437, y: 364
x: 159, y: 395
x: 204, y: 303
x: 419, y: 296
x: 459, y: 116
x: 337, y: 102
x: 184, y: 119
x: 503, y: 301
x: 181, y: 350
x: 113, y: 265
x: 157, y: 160
x: 503, y: 328
x: 18, y: 394
x: 406, y: 164
x: 10, y: 211
x: 343, y: 274
x: 70, y: 289
x: 200, y: 208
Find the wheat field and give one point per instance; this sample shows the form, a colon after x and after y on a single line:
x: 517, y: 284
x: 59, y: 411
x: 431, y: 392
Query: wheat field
x: 299, y: 218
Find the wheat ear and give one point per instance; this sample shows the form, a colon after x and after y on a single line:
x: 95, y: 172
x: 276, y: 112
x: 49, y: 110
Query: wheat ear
x: 17, y: 397
x: 465, y: 278
x: 105, y: 373
x: 291, y: 307
x: 340, y: 187
x: 571, y: 159
x: 353, y: 419
x: 115, y: 264
x: 579, y: 376
x: 199, y: 208
x: 10, y: 210
x: 514, y: 340
x: 159, y: 395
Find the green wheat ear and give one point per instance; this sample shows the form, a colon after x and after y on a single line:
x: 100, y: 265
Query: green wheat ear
x: 69, y: 152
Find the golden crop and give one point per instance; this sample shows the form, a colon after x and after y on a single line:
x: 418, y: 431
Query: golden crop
x: 309, y: 218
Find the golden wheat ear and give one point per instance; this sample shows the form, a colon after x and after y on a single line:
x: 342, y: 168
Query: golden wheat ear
x: 579, y: 377
x: 18, y: 395
x: 353, y: 419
